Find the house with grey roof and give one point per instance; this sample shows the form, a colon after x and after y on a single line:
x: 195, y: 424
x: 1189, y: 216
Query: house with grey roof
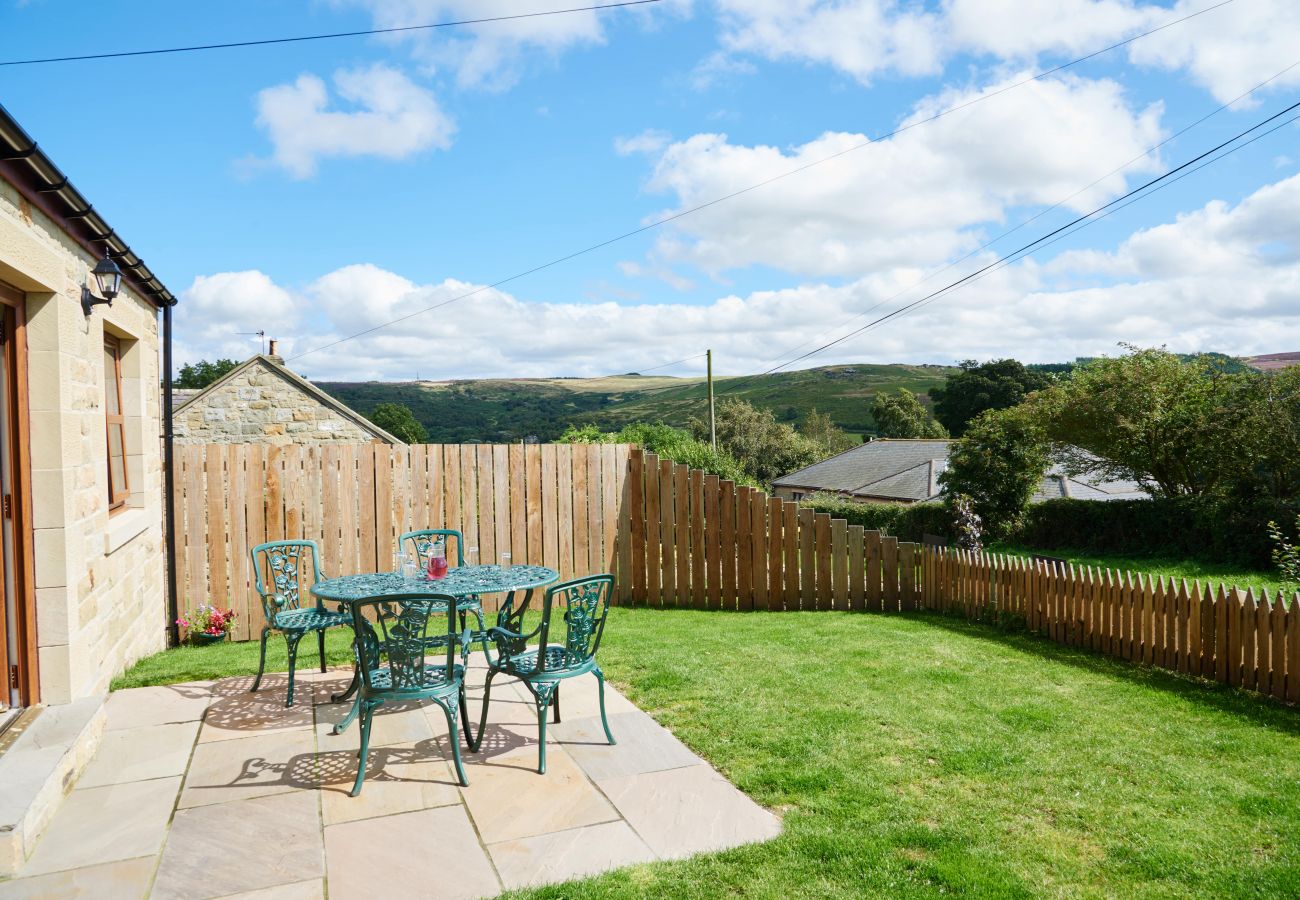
x: 262, y: 401
x: 891, y: 470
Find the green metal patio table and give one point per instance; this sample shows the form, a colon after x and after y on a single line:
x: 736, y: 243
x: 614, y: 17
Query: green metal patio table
x: 463, y: 581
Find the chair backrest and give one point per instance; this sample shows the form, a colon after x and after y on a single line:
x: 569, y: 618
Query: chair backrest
x: 279, y: 568
x: 421, y: 542
x: 585, y: 606
x: 398, y: 631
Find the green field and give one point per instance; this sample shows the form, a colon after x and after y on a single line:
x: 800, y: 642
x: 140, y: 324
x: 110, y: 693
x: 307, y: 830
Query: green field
x: 1168, y: 567
x: 918, y: 755
x: 511, y: 409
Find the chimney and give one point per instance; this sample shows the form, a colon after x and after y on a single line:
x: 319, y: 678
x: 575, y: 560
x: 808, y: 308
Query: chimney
x: 274, y: 352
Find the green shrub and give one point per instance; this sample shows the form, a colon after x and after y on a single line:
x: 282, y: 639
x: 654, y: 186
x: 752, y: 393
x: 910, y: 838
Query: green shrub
x: 1209, y: 529
x: 905, y: 522
x: 667, y: 442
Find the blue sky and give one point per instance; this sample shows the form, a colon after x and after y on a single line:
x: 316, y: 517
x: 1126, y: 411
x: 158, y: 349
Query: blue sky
x: 323, y: 188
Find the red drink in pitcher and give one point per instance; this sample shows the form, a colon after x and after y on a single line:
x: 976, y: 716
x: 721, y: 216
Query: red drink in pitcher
x: 438, y: 567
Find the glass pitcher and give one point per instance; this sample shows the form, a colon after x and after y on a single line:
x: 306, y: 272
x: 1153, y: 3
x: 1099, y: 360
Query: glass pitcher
x: 437, y: 559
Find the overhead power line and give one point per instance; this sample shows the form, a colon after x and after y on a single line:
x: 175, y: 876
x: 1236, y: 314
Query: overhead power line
x: 323, y: 37
x: 1038, y: 215
x: 1062, y: 231
x: 775, y: 178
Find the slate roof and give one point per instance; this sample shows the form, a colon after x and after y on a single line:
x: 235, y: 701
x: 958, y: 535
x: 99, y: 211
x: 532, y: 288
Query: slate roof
x: 908, y: 471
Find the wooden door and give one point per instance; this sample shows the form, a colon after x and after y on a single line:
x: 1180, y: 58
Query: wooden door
x: 17, y: 611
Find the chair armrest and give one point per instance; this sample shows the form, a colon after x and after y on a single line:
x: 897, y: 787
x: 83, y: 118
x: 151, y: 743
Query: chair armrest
x: 272, y: 604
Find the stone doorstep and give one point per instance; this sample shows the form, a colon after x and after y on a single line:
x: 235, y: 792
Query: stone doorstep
x: 39, y: 771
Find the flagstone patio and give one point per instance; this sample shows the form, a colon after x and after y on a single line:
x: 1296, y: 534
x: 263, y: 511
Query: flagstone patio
x: 205, y: 790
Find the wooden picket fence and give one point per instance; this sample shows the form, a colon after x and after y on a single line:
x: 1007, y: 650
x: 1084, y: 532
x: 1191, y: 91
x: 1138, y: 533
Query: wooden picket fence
x: 678, y: 537
x: 704, y: 543
x: 552, y: 504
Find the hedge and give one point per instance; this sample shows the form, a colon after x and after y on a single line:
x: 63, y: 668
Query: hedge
x: 1209, y: 529
x: 907, y: 522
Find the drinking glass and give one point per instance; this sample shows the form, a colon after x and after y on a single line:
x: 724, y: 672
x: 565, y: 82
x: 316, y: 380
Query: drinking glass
x: 471, y: 556
x: 504, y: 560
x: 399, y: 561
x: 410, y: 569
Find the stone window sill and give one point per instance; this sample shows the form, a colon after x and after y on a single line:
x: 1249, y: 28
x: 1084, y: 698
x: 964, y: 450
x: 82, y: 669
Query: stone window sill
x: 123, y: 527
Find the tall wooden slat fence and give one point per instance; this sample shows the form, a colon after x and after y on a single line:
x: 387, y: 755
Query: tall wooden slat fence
x: 556, y: 505
x: 702, y: 543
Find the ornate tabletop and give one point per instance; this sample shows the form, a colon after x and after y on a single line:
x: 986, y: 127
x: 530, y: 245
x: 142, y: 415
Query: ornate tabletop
x: 461, y: 581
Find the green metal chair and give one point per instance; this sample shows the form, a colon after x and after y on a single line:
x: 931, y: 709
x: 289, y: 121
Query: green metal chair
x: 278, y: 572
x: 584, y: 603
x: 392, y: 641
x: 421, y: 543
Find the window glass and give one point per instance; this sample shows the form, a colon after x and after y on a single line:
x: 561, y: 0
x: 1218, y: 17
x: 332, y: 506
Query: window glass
x: 114, y: 423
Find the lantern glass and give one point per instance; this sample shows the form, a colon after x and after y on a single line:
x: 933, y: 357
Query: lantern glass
x: 108, y: 276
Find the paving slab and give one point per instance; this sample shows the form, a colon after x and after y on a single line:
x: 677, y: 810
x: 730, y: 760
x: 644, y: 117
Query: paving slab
x: 563, y: 855
x: 392, y: 723
x: 643, y: 745
x: 509, y: 800
x: 400, y: 778
x: 104, y: 824
x: 299, y: 890
x: 123, y: 880
x: 681, y: 812
x: 242, y: 846
x: 137, y: 754
x: 138, y: 707
x: 272, y: 763
x: 430, y: 853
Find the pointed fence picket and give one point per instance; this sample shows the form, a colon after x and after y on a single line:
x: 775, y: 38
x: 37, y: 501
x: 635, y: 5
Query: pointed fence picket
x: 780, y: 556
x: 676, y: 537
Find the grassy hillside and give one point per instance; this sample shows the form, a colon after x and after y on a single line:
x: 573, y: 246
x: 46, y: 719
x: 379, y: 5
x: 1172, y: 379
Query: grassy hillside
x: 510, y: 409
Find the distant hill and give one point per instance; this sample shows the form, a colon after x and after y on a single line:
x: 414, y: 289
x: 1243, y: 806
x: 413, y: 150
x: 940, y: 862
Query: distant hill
x: 1271, y: 362
x: 511, y: 409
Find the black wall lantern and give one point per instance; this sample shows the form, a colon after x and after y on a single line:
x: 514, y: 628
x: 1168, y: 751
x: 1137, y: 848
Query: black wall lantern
x: 109, y: 278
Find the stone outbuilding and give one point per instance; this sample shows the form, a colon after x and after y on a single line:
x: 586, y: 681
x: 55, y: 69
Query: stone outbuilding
x: 261, y: 401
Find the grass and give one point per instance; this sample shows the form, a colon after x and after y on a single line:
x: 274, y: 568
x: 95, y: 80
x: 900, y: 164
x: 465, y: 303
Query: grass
x: 1169, y: 566
x: 917, y: 755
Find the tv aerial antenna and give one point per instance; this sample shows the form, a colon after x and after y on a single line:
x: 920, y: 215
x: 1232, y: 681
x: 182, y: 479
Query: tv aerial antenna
x: 260, y: 335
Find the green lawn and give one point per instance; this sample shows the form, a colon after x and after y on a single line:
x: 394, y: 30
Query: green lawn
x: 1235, y: 576
x: 920, y: 755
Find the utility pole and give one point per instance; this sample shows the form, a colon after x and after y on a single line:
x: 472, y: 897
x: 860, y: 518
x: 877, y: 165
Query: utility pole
x: 713, y: 425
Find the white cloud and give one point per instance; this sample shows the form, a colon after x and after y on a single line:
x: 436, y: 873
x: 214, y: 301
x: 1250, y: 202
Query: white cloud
x: 858, y: 37
x: 488, y: 55
x: 1231, y: 50
x: 914, y: 199
x: 391, y: 117
x: 1226, y: 51
x: 649, y: 141
x: 217, y: 312
x: 1223, y: 278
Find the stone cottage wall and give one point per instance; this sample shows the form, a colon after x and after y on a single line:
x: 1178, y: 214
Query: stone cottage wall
x: 99, y: 578
x: 262, y: 406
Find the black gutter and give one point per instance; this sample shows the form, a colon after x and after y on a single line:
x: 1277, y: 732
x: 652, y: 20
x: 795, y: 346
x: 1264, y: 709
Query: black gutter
x: 35, y: 176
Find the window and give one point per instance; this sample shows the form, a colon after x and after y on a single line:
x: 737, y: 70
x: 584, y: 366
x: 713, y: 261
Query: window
x: 115, y: 423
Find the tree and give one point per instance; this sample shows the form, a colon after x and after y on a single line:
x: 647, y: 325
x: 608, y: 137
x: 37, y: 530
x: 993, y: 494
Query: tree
x: 764, y: 447
x: 998, y: 463
x: 818, y: 428
x: 901, y: 415
x: 202, y: 373
x: 400, y: 422
x: 999, y: 384
x: 1174, y: 425
x: 665, y: 441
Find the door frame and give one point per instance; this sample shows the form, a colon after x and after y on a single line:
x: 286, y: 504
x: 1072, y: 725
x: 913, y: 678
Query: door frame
x: 13, y: 307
